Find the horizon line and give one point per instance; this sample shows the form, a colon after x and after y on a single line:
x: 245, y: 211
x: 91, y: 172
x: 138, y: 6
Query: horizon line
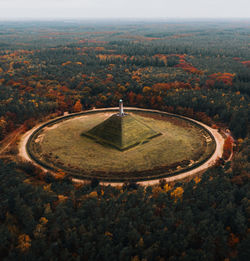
x: 118, y: 18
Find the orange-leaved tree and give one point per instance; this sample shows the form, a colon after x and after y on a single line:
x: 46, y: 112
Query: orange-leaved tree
x: 24, y: 242
x: 78, y: 106
x: 227, y: 147
x: 177, y: 193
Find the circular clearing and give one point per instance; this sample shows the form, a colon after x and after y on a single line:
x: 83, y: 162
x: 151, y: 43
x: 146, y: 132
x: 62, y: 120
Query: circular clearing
x: 59, y: 146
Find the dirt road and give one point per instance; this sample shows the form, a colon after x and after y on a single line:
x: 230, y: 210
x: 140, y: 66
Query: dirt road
x: 4, y: 145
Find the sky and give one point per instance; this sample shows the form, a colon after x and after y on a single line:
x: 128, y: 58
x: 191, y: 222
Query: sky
x: 85, y: 9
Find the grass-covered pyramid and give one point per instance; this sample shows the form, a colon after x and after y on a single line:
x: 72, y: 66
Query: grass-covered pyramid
x: 122, y: 132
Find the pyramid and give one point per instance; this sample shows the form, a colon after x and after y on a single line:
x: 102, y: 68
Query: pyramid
x: 121, y: 132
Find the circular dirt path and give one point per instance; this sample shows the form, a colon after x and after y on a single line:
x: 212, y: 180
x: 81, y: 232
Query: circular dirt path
x: 219, y: 140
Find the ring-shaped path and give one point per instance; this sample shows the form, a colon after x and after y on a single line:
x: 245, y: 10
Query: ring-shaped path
x: 218, y: 139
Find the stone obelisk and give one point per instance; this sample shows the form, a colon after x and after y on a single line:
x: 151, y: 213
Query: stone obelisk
x: 121, y: 112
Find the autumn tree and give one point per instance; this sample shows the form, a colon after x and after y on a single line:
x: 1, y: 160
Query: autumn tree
x: 24, y: 242
x: 227, y: 147
x: 78, y: 106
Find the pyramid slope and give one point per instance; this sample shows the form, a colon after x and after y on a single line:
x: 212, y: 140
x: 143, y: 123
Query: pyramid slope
x: 121, y: 132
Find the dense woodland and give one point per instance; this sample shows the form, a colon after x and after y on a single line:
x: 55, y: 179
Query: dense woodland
x: 198, y: 69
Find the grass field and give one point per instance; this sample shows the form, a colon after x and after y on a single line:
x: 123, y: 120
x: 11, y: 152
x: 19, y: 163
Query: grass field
x: 62, y: 146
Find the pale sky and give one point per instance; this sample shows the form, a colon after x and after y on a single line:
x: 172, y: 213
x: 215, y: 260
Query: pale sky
x: 14, y: 9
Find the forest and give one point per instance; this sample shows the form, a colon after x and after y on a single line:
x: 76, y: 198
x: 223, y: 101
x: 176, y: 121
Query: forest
x: 199, y: 69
